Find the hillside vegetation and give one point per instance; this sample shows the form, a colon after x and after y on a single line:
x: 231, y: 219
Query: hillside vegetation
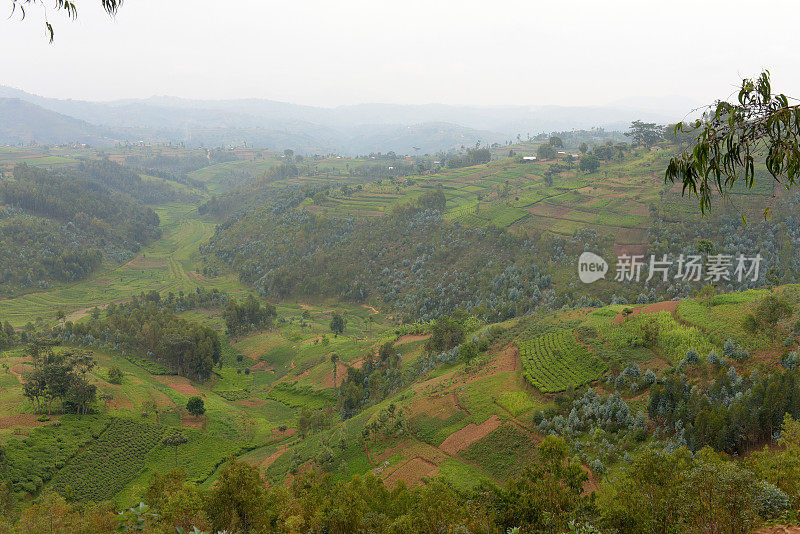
x: 56, y: 227
x: 283, y: 351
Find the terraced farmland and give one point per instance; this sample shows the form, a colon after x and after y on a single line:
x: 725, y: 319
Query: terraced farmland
x: 555, y: 361
x: 165, y: 265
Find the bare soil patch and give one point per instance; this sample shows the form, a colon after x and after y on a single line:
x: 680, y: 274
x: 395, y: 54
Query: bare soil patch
x: 191, y: 421
x: 548, y: 210
x: 22, y: 366
x: 28, y: 420
x: 591, y: 484
x: 506, y: 360
x: 288, y: 432
x: 631, y: 235
x: 252, y: 403
x: 179, y: 384
x: 197, y: 275
x: 411, y: 338
x: 411, y: 472
x: 461, y: 439
x: 162, y: 400
x: 262, y: 366
x: 391, y: 451
x: 341, y: 374
x: 771, y: 357
x: 630, y: 249
x: 779, y: 529
x: 80, y: 314
x: 657, y: 363
x: 441, y: 406
x: 667, y: 305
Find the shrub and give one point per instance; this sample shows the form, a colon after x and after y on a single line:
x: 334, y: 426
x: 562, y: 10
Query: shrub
x: 115, y: 375
x: 196, y: 406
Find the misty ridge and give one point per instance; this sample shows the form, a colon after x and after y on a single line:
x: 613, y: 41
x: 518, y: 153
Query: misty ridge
x: 347, y: 130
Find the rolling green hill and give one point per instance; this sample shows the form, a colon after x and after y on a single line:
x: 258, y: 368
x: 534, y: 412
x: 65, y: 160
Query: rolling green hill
x: 469, y: 351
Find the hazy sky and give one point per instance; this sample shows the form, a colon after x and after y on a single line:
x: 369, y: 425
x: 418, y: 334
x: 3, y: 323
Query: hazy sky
x: 453, y: 52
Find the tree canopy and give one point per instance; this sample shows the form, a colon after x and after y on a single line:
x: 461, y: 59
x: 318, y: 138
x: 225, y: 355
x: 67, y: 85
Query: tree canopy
x: 645, y: 133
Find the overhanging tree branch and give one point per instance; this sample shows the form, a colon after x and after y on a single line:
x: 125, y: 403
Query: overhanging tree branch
x: 110, y: 6
x: 733, y: 138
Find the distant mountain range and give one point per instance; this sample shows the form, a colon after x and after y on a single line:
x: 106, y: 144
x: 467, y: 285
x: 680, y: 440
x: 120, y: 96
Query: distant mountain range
x: 27, y: 118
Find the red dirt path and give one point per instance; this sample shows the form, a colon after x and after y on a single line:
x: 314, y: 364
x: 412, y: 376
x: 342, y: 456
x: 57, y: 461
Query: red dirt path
x: 268, y: 461
x: 461, y: 439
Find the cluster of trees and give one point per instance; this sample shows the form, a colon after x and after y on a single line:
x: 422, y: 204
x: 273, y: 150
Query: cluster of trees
x: 474, y: 156
x: 391, y: 422
x: 177, y: 168
x: 600, y: 430
x: 646, y: 133
x: 145, y: 328
x: 128, y: 181
x: 338, y: 322
x: 662, y: 491
x: 199, y: 298
x: 732, y: 413
x: 249, y: 315
x: 60, y: 376
x: 311, y: 421
x: 724, y: 233
x: 768, y: 313
x: 35, y: 251
x: 182, y: 164
x: 66, y: 197
x: 59, y: 226
x: 281, y: 172
x: 447, y: 331
x: 250, y: 197
x: 376, y: 378
x: 411, y: 259
x: 657, y: 492
x: 8, y: 336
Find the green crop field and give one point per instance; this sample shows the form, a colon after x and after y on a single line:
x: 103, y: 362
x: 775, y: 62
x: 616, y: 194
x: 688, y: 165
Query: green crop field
x: 110, y: 462
x: 554, y: 362
x: 166, y: 265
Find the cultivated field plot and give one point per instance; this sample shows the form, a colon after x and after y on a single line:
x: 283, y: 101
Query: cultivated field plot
x: 10, y: 157
x: 673, y: 338
x: 554, y: 362
x: 508, y: 194
x: 165, y: 265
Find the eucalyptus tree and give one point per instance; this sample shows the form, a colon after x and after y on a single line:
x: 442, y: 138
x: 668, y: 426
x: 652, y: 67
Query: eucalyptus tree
x: 732, y: 140
x: 67, y: 6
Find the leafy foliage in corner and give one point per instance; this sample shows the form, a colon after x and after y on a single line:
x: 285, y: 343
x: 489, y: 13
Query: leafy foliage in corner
x: 732, y: 139
x: 68, y: 6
